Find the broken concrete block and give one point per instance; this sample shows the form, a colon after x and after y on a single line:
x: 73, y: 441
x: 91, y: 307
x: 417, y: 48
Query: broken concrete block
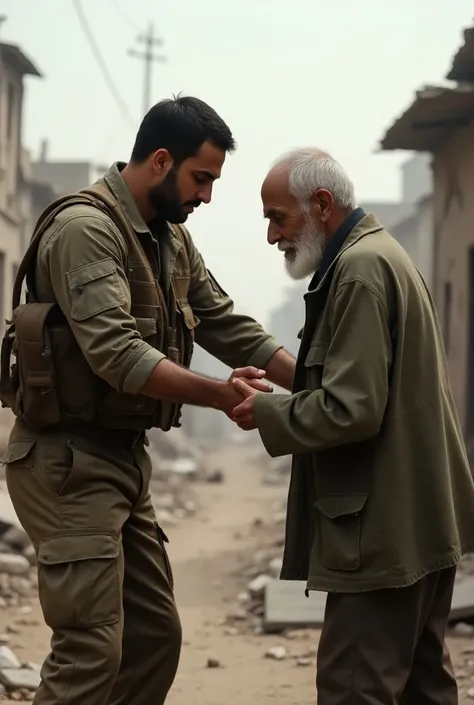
x: 286, y: 606
x: 18, y: 678
x: 8, y: 658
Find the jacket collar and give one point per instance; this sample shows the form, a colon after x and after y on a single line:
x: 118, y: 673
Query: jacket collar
x: 367, y: 225
x: 117, y: 185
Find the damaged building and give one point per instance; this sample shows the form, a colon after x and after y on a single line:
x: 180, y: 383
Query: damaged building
x: 439, y: 122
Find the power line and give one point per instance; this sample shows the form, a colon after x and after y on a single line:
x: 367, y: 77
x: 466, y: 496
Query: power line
x: 125, y: 16
x: 148, y: 57
x: 101, y: 63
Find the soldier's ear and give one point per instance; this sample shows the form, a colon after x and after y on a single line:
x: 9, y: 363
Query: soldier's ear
x: 162, y: 162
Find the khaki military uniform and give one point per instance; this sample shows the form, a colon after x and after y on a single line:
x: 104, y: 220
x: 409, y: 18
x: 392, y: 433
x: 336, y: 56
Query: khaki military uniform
x: 80, y: 486
x: 381, y: 498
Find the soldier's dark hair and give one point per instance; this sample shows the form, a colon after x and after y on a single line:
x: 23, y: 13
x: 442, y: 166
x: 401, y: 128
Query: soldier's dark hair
x: 181, y: 125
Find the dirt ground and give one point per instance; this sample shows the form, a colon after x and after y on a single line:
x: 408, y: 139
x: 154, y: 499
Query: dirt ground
x: 207, y: 552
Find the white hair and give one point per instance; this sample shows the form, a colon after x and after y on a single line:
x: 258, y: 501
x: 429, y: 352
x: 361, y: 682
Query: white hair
x: 311, y: 169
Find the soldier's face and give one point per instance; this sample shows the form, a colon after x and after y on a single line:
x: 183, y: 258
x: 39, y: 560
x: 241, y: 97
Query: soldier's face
x: 188, y: 185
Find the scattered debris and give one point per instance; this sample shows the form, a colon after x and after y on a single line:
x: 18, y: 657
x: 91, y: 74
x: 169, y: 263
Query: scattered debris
x: 277, y: 471
x: 14, y: 564
x: 18, y: 575
x: 174, y: 453
x: 213, y: 663
x: 278, y: 653
x: 257, y: 587
x: 463, y: 629
x: 274, y: 606
x: 17, y: 681
x: 215, y: 477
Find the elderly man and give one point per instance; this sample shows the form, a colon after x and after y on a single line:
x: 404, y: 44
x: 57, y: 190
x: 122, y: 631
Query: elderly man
x: 381, y: 500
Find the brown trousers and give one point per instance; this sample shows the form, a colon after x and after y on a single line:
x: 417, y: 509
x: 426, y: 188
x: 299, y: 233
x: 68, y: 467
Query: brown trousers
x: 388, y: 647
x: 104, y: 578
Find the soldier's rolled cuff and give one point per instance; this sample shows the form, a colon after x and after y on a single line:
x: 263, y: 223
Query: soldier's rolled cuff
x: 138, y: 376
x: 262, y: 356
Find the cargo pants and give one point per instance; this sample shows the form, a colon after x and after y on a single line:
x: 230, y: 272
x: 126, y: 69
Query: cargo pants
x: 104, y: 577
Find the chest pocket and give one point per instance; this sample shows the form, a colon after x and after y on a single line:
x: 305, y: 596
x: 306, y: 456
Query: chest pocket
x: 190, y: 320
x: 314, y: 365
x: 189, y: 323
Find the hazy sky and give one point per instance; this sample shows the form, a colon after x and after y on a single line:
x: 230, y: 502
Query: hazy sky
x: 332, y: 74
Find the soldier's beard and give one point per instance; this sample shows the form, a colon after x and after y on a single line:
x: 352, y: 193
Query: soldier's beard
x: 303, y: 254
x: 166, y: 202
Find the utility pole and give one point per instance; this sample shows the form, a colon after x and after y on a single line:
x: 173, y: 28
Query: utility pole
x: 148, y: 57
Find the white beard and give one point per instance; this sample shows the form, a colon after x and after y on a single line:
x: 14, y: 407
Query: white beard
x: 303, y: 255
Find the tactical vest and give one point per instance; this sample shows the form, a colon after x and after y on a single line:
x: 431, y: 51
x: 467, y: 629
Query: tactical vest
x: 44, y: 377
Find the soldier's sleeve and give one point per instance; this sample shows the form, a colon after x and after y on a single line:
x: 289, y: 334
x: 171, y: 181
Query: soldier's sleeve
x: 84, y: 258
x: 234, y: 339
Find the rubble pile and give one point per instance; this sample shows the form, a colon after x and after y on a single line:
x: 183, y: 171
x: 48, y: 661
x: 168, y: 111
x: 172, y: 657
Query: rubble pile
x: 464, y: 672
x: 18, y: 575
x: 466, y: 566
x: 18, y: 681
x: 275, y: 471
x: 264, y: 567
x: 173, y: 499
x: 177, y: 464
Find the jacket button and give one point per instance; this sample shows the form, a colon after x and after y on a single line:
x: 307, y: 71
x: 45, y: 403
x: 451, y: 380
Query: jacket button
x: 80, y: 289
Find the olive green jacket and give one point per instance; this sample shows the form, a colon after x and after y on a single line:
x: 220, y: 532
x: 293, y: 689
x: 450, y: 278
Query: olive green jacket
x: 381, y: 492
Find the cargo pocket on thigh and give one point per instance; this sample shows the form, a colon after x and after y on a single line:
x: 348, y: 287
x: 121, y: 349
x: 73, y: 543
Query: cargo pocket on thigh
x: 78, y: 580
x: 340, y: 523
x: 162, y: 539
x: 18, y: 455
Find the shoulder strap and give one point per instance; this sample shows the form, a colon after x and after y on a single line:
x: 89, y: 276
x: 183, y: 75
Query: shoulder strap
x: 44, y: 221
x: 96, y: 195
x: 104, y: 199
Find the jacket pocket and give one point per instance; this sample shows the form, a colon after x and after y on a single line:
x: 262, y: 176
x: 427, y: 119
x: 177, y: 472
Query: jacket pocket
x: 78, y: 580
x: 190, y: 320
x: 340, y: 527
x: 94, y: 288
x: 314, y: 364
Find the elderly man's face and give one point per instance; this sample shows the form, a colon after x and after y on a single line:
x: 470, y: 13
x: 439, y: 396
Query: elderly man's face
x: 296, y: 232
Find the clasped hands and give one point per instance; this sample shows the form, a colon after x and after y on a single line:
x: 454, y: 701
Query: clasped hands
x: 241, y: 389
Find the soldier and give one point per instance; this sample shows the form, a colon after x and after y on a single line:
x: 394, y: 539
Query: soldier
x: 381, y: 500
x: 116, y: 298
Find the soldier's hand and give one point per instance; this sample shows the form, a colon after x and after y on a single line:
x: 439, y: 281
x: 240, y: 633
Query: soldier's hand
x: 253, y: 377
